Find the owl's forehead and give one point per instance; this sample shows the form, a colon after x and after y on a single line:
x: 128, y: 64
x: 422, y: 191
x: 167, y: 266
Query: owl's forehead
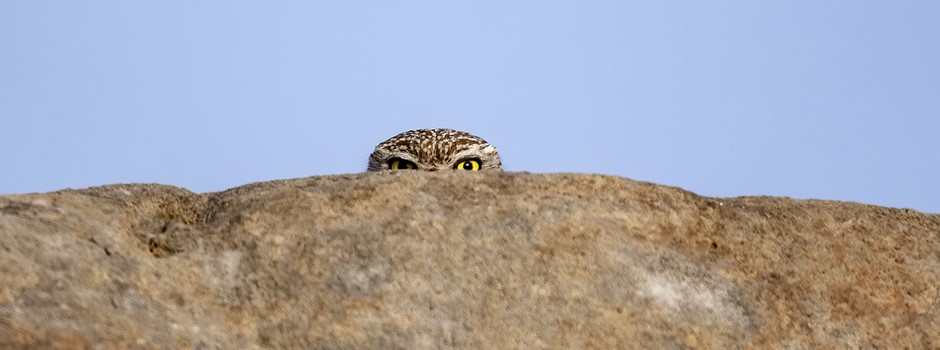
x: 433, y: 145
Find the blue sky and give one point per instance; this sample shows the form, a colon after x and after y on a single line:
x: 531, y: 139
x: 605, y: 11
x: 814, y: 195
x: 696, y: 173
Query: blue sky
x: 808, y: 99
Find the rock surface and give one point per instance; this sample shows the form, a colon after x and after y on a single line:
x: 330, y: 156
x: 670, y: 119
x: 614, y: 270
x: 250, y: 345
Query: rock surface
x: 461, y: 260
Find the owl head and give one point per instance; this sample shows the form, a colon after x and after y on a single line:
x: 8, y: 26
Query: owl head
x: 435, y: 149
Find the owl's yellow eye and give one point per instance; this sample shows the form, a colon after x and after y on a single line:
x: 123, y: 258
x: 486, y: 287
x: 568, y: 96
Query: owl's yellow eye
x: 469, y: 164
x: 401, y: 164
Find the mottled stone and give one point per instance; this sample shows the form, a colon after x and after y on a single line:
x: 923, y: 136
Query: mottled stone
x: 419, y: 260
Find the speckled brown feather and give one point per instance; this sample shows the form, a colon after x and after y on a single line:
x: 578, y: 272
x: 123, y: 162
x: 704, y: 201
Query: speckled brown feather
x: 435, y: 149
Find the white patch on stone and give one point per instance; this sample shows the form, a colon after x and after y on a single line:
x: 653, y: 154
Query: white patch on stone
x: 683, y: 296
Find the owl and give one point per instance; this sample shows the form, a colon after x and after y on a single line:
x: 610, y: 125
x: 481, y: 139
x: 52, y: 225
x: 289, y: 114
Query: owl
x: 435, y: 149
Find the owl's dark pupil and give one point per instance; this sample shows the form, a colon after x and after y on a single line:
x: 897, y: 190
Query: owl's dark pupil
x: 396, y: 163
x: 467, y: 166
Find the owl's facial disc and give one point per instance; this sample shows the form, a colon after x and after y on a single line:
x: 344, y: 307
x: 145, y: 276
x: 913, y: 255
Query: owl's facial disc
x: 435, y: 149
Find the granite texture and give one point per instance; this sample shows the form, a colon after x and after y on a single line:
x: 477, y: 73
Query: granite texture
x: 418, y: 260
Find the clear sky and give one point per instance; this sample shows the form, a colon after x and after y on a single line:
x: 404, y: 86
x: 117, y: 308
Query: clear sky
x: 808, y: 99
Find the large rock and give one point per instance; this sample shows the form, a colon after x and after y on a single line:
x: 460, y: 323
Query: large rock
x: 461, y: 260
